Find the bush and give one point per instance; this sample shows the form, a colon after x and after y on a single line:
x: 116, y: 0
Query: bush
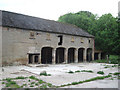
x: 100, y: 72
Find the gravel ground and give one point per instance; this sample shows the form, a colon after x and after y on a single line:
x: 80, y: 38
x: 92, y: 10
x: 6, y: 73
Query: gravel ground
x: 59, y: 75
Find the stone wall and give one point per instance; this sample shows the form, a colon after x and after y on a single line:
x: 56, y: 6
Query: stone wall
x: 17, y: 43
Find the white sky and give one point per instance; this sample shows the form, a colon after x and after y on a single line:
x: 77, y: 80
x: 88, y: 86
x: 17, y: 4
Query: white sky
x: 53, y: 9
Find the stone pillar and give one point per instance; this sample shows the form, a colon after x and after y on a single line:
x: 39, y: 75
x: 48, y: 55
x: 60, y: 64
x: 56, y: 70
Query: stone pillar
x: 66, y: 55
x: 99, y: 56
x: 33, y: 57
x: 53, y: 56
x: 92, y: 54
x: 84, y: 55
x: 40, y: 57
x: 76, y: 55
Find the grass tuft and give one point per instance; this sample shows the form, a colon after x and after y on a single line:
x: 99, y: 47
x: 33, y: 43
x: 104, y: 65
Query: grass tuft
x: 100, y: 72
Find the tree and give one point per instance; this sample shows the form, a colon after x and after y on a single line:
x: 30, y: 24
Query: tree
x: 105, y: 29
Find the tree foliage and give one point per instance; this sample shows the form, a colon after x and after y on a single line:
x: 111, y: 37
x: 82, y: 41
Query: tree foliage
x: 104, y: 28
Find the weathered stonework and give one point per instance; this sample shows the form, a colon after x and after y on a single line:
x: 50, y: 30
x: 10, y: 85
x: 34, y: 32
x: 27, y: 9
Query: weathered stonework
x: 17, y: 44
x: 32, y: 40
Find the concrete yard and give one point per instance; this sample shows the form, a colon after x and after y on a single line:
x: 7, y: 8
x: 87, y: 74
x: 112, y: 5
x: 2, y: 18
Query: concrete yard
x: 60, y: 76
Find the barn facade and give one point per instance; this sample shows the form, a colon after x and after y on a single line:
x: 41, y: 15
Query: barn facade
x: 32, y: 40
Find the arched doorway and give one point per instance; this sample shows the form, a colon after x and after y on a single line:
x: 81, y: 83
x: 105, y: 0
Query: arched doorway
x: 46, y: 55
x: 80, y: 54
x: 71, y: 55
x: 60, y: 54
x: 89, y: 54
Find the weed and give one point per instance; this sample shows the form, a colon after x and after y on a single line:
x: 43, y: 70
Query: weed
x: 8, y: 84
x: 92, y: 79
x: 12, y: 82
x: 20, y: 77
x: 32, y: 82
x: 49, y: 84
x: 43, y: 86
x: 3, y: 82
x: 71, y: 72
x: 74, y: 83
x: 100, y: 72
x: 77, y: 71
x: 36, y: 84
x: 40, y: 81
x: 87, y: 71
x: 34, y: 78
x: 8, y: 79
x: 15, y: 86
x: 116, y: 73
x: 45, y: 74
x: 31, y: 86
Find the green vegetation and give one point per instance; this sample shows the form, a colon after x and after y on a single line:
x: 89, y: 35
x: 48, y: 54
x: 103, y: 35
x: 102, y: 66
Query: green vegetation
x: 116, y: 73
x: 43, y: 86
x: 80, y: 82
x: 33, y: 77
x: 113, y: 59
x: 31, y: 86
x: 44, y: 74
x: 100, y: 72
x: 87, y: 71
x: 77, y: 71
x: 32, y: 82
x: 21, y: 77
x: 49, y: 84
x: 3, y: 82
x: 71, y: 72
x: 9, y: 83
x: 104, y: 28
x: 40, y: 82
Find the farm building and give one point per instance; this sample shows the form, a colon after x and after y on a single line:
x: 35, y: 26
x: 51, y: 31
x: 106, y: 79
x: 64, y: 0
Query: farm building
x: 32, y: 40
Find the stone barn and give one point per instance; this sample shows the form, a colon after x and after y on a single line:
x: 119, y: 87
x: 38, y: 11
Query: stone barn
x: 32, y: 40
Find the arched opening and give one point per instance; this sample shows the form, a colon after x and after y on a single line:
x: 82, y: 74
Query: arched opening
x: 71, y: 55
x: 60, y: 54
x: 46, y: 55
x: 89, y: 54
x: 80, y: 54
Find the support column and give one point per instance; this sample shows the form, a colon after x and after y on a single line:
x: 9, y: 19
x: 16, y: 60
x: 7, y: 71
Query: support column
x: 99, y: 56
x: 33, y: 57
x: 66, y: 55
x: 84, y: 55
x: 76, y: 55
x: 53, y: 56
x: 92, y: 54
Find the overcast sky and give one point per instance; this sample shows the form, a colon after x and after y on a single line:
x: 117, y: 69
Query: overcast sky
x: 53, y: 9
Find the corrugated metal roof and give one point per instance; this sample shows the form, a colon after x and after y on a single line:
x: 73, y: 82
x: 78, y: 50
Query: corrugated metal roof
x: 10, y: 19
